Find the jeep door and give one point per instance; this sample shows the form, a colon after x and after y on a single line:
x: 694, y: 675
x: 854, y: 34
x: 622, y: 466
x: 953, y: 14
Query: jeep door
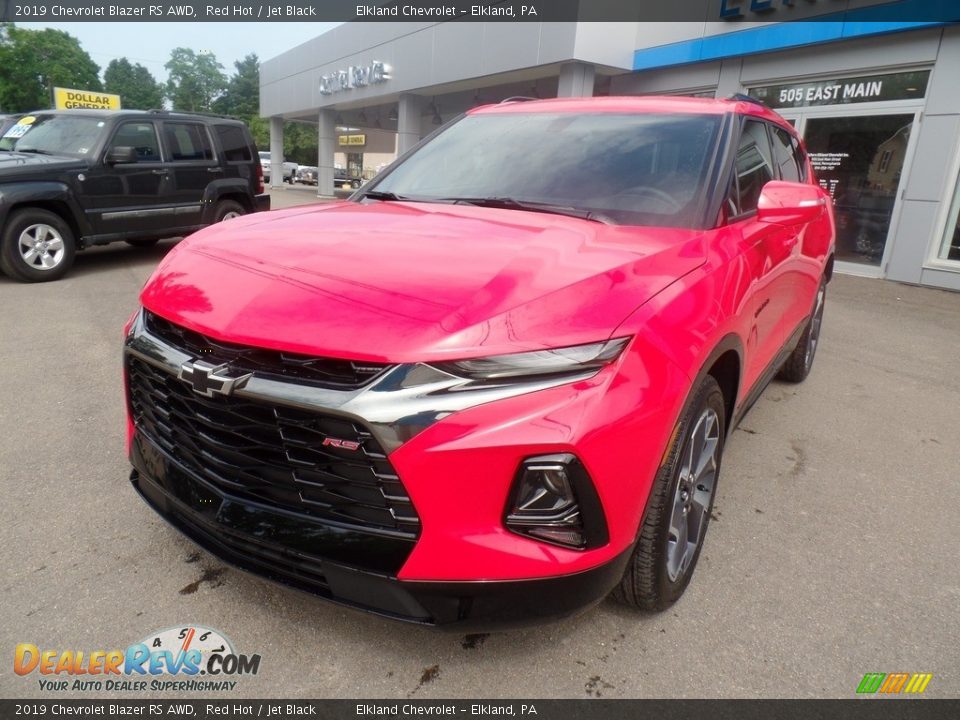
x: 192, y: 166
x: 129, y: 198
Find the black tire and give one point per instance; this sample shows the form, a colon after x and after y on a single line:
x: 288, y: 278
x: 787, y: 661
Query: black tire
x: 649, y: 582
x: 799, y: 363
x: 227, y: 209
x: 54, y: 236
x: 142, y: 242
x: 354, y: 184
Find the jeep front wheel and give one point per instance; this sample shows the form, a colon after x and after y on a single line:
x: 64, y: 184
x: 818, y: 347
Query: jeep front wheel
x: 36, y: 246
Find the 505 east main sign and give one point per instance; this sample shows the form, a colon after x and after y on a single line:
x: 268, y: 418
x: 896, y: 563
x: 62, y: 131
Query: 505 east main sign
x: 869, y: 88
x: 355, y: 76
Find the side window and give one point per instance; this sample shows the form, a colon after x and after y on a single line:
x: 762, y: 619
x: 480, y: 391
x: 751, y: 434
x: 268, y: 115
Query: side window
x: 753, y: 166
x: 187, y: 142
x: 784, y: 156
x: 234, y: 143
x: 139, y: 135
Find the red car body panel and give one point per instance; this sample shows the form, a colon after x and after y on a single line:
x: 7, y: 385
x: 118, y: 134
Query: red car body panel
x: 398, y: 282
x: 305, y: 281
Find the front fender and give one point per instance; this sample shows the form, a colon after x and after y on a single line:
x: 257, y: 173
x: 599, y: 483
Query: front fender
x: 43, y: 193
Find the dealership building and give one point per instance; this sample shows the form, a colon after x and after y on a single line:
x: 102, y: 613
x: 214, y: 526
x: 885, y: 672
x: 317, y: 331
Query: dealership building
x: 877, y: 104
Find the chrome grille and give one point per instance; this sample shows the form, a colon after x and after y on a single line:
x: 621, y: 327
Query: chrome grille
x: 272, y: 453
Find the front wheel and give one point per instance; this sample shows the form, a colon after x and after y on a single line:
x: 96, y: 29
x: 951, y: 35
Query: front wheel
x: 680, y: 504
x: 800, y: 361
x: 36, y: 246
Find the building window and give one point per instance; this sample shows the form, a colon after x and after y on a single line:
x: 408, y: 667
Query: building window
x: 951, y: 241
x: 885, y: 160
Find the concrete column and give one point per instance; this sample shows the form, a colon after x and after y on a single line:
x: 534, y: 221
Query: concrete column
x: 276, y: 152
x: 408, y: 122
x: 326, y: 147
x: 729, y: 81
x: 576, y: 80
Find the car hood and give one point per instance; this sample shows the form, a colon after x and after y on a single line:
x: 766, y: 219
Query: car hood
x: 406, y: 282
x: 15, y: 164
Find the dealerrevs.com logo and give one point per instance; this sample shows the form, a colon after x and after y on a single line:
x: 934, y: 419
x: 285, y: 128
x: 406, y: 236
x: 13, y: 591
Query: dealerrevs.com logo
x: 185, y: 658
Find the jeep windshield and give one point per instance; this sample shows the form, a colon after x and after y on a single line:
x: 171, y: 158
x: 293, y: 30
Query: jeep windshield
x: 67, y: 135
x: 628, y: 169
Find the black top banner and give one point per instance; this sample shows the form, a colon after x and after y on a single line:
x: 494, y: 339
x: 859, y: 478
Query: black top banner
x: 734, y: 11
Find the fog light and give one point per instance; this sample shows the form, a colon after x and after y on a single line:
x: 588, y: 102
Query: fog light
x: 554, y: 501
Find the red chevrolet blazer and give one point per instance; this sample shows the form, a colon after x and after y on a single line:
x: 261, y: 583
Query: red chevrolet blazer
x: 495, y: 385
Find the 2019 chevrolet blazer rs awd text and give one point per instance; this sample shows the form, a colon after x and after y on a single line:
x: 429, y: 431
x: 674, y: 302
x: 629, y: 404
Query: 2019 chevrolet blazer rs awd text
x: 494, y: 385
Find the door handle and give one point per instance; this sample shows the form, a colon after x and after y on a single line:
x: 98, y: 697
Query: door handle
x: 159, y: 172
x: 214, y: 170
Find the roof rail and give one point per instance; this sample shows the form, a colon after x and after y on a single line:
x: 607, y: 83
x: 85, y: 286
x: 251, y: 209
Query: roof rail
x: 162, y: 111
x: 518, y: 98
x: 742, y: 97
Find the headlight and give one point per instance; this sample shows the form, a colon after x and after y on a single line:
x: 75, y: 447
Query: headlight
x: 557, y: 361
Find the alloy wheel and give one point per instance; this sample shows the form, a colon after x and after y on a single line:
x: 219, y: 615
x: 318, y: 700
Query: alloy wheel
x: 41, y: 246
x: 815, y: 322
x: 693, y: 494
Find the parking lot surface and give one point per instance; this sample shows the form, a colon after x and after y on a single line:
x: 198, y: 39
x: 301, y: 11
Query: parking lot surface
x: 833, y: 550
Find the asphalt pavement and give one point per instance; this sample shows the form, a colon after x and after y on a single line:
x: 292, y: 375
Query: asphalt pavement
x: 833, y: 550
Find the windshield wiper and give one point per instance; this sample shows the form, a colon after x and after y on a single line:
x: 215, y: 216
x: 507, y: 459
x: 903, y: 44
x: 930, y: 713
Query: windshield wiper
x: 36, y: 151
x: 383, y: 195
x: 508, y: 203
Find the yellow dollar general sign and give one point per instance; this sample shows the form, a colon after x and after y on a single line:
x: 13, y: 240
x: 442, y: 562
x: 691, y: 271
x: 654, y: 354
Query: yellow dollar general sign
x: 70, y: 99
x: 894, y: 683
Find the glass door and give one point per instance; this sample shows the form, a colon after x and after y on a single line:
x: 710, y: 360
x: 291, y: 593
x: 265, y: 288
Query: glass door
x: 860, y: 158
x: 860, y: 161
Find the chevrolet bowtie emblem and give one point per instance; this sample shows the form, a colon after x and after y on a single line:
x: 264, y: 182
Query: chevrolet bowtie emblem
x: 208, y: 380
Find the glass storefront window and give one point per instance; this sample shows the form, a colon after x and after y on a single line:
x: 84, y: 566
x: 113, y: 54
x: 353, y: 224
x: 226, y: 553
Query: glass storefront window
x: 951, y: 240
x: 859, y: 159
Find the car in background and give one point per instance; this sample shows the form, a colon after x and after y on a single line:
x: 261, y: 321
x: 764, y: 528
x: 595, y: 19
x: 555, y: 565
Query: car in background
x: 307, y: 175
x: 342, y: 179
x: 71, y: 179
x: 289, y: 168
x: 483, y: 392
x: 6, y: 122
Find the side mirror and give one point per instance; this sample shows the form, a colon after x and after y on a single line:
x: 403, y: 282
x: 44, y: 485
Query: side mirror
x: 790, y: 203
x: 122, y: 154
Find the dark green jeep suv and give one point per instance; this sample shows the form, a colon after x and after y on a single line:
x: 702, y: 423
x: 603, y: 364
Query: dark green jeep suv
x: 74, y: 178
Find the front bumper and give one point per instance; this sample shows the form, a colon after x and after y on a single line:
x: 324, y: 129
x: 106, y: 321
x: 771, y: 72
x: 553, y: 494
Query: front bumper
x: 457, y: 454
x: 325, y: 560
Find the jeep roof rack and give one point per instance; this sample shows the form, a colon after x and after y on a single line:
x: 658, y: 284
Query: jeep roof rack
x: 518, y: 98
x: 162, y: 111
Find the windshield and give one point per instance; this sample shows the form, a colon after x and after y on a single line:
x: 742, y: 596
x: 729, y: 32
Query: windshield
x: 54, y: 135
x: 628, y: 169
